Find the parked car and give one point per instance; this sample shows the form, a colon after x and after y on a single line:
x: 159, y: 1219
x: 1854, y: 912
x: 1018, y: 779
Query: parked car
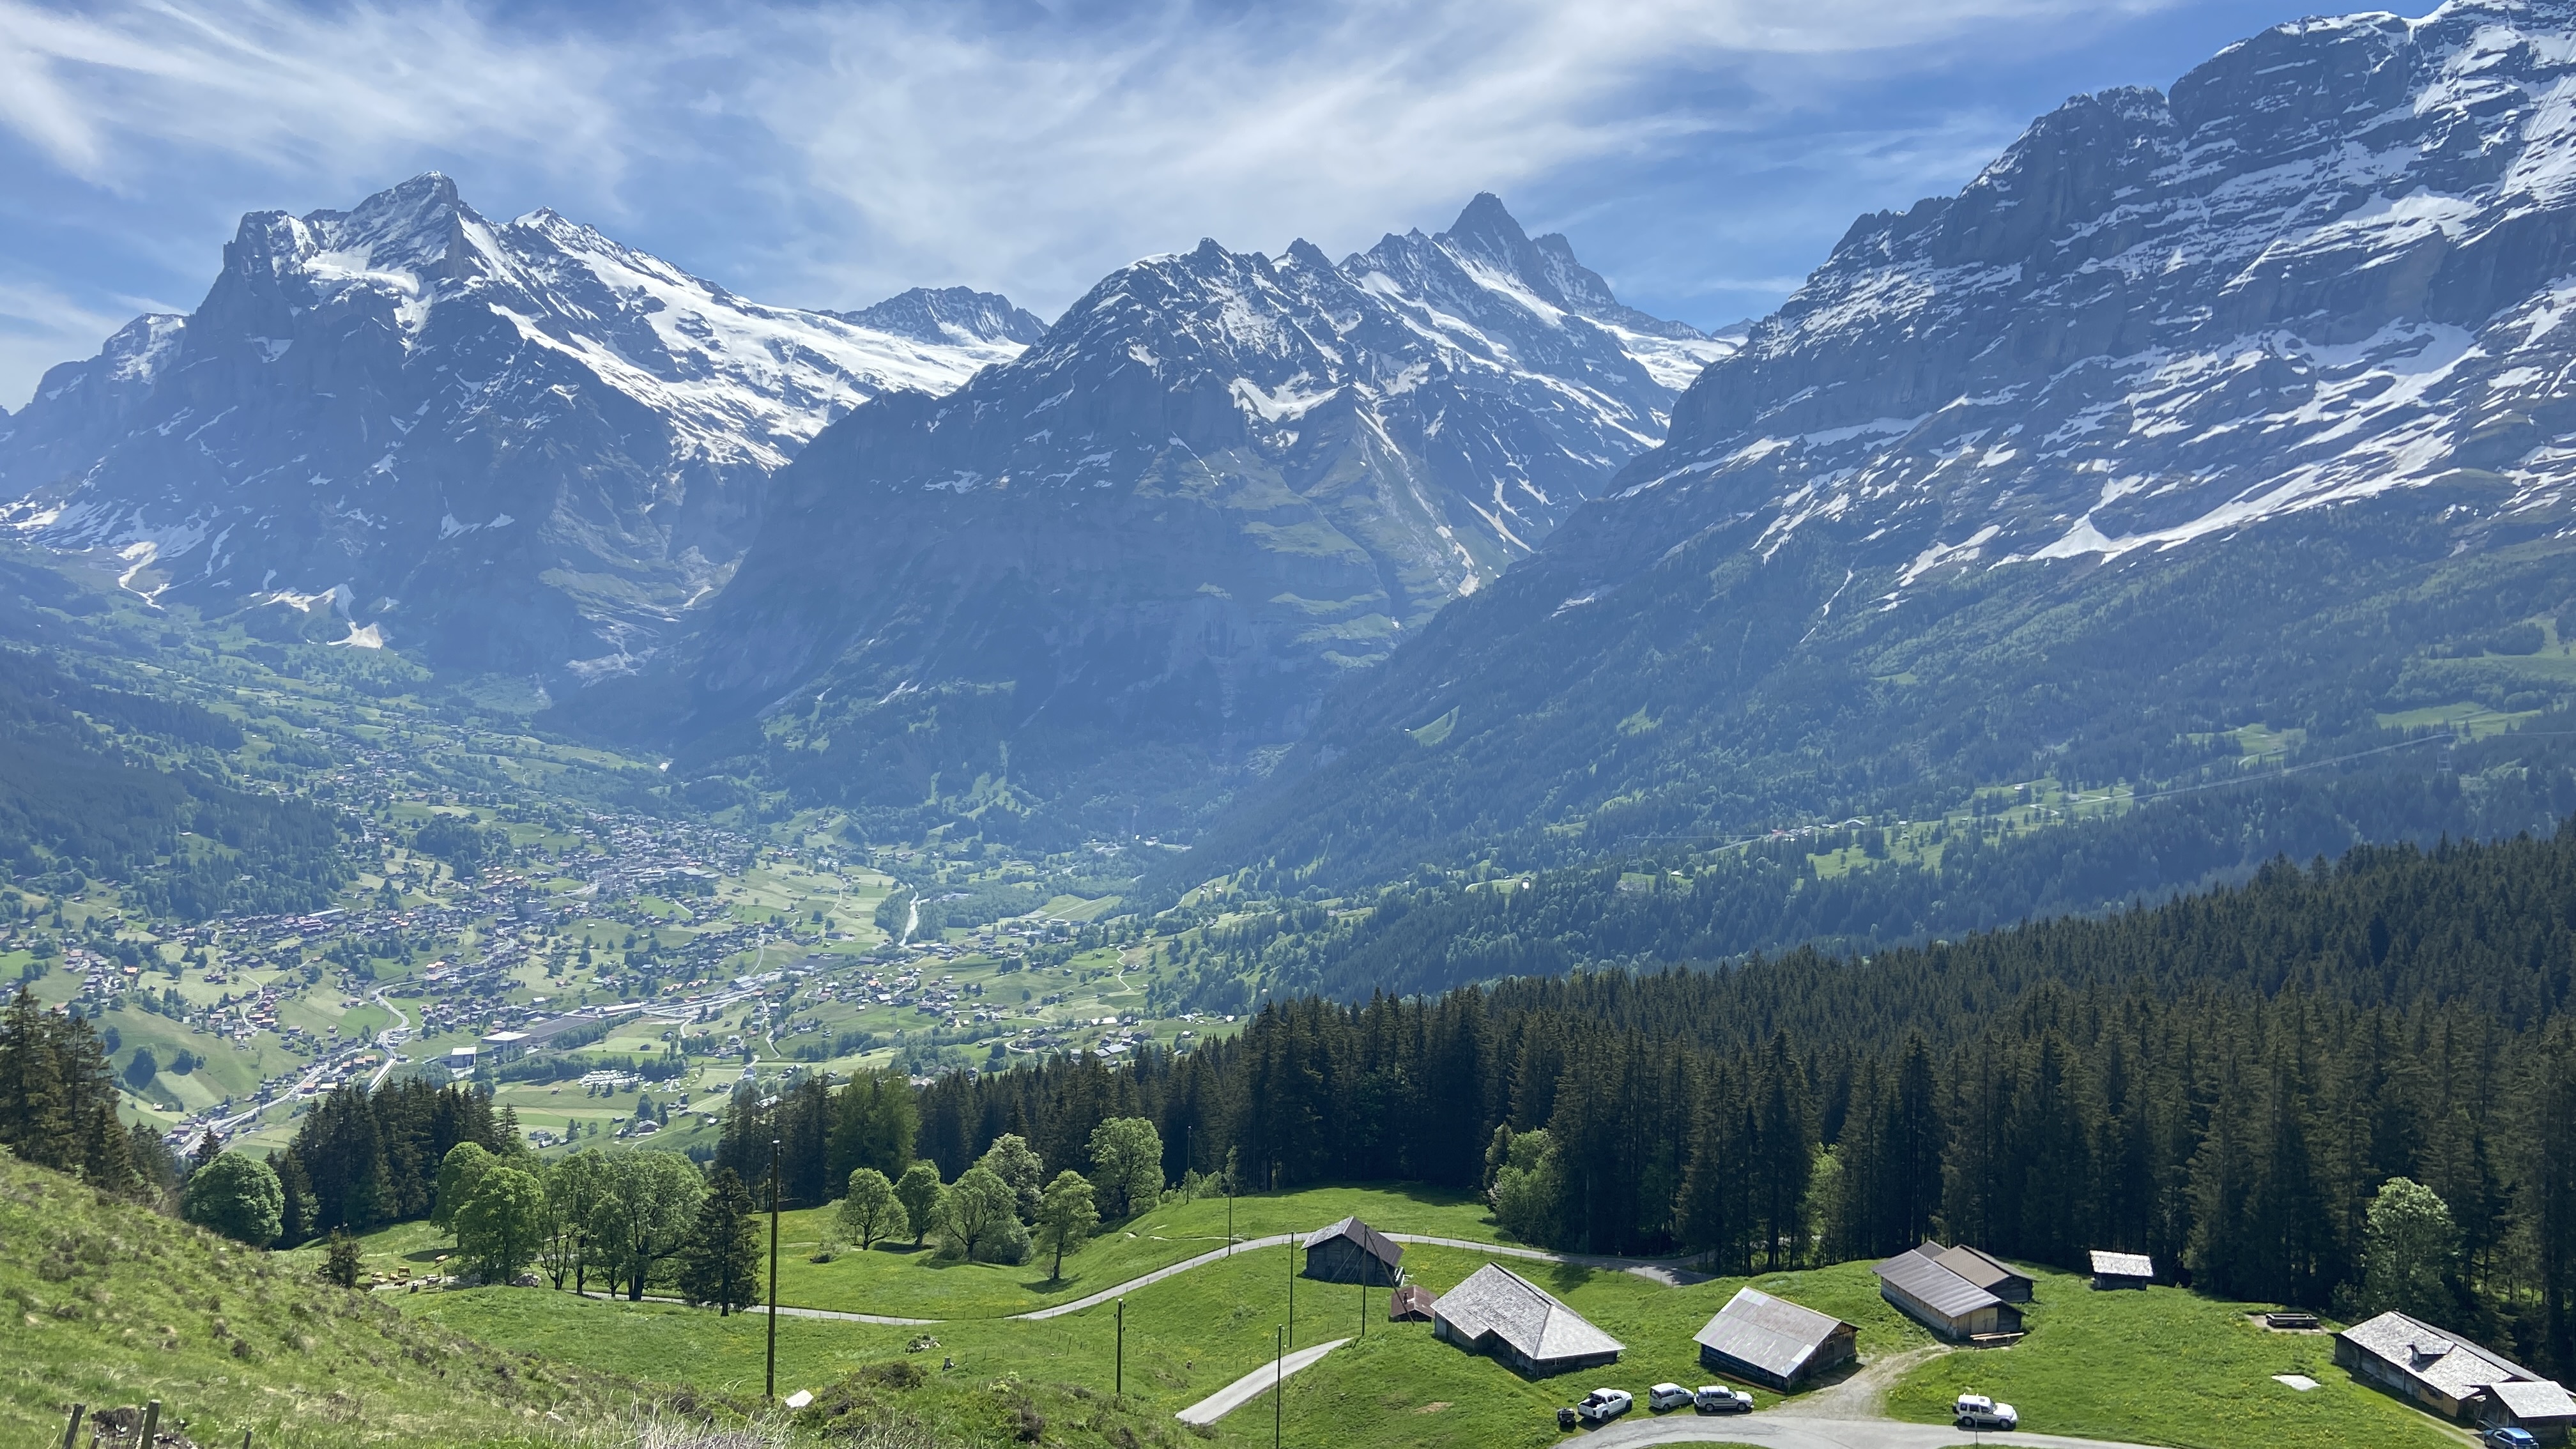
x: 1976, y: 1411
x: 2502, y: 1438
x: 1719, y: 1399
x: 1667, y: 1396
x: 1603, y: 1405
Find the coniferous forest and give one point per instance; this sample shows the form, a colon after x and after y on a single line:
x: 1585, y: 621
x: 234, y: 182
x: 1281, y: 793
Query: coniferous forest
x: 2222, y: 1081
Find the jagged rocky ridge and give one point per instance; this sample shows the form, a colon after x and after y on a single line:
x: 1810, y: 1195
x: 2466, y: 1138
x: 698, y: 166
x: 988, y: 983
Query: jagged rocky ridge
x: 513, y: 446
x: 2244, y: 402
x: 1219, y: 483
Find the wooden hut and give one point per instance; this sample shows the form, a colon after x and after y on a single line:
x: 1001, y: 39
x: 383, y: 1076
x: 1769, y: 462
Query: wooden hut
x: 1351, y: 1251
x: 1409, y: 1304
x: 2122, y: 1270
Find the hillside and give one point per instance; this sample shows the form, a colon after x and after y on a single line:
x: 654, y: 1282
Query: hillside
x: 2176, y: 422
x: 116, y: 1305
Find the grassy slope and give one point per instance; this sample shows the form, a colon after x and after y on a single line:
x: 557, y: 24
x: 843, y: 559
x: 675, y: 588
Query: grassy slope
x: 109, y: 1304
x: 2161, y: 1368
x: 2167, y: 1367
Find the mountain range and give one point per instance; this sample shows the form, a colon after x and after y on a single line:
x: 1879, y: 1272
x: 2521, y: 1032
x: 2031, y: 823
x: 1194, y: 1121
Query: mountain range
x: 1137, y: 555
x: 514, y: 447
x: 2223, y: 417
x: 2237, y: 407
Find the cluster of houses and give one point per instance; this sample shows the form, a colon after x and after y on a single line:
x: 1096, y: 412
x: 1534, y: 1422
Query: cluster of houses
x: 1958, y: 1293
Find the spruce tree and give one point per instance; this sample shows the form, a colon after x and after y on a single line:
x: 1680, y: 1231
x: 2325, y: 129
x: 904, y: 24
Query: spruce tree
x: 720, y: 1264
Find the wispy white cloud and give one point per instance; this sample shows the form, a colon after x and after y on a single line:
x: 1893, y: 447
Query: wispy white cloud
x: 832, y: 154
x: 115, y: 90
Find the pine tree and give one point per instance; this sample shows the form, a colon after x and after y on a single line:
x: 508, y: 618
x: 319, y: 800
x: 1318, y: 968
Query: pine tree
x: 720, y: 1264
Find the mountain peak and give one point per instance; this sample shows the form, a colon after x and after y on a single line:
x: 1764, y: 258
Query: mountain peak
x: 949, y: 315
x: 1486, y: 217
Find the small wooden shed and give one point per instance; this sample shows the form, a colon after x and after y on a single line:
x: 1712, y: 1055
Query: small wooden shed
x: 2122, y: 1270
x: 1351, y: 1251
x: 1409, y: 1304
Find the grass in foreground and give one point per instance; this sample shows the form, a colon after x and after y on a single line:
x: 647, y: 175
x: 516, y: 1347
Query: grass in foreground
x: 2167, y: 1367
x: 109, y: 1304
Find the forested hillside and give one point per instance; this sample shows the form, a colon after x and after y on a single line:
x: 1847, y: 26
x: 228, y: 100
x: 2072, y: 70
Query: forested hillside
x: 2223, y: 1081
x: 1681, y: 902
x: 99, y: 783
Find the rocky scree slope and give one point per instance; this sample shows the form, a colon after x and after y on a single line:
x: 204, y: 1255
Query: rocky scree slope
x: 2246, y: 402
x: 1143, y: 549
x: 516, y: 446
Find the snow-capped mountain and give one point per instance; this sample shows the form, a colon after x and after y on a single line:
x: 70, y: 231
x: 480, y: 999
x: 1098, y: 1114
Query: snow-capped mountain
x: 2334, y: 262
x: 2247, y: 402
x: 518, y: 445
x: 1219, y: 482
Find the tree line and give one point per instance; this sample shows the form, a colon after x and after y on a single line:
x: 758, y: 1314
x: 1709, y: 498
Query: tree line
x: 2228, y: 1082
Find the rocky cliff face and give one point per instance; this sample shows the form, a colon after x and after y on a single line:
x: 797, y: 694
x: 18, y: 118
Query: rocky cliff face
x: 1219, y: 483
x: 2245, y: 402
x: 513, y: 446
x: 2330, y: 264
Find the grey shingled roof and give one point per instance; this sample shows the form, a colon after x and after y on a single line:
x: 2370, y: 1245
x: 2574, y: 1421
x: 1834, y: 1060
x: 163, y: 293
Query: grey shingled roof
x: 1934, y: 1286
x: 2453, y: 1365
x: 1771, y: 1334
x: 2530, y: 1400
x: 1378, y: 1245
x: 2123, y: 1265
x: 1496, y: 1300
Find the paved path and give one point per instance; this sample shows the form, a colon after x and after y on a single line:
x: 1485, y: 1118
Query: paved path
x: 1635, y: 1429
x: 1670, y: 1271
x: 1157, y: 1276
x: 1254, y: 1384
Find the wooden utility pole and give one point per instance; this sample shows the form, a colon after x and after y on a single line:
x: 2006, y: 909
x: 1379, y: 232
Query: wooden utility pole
x: 72, y: 1429
x: 1292, y: 1287
x: 773, y: 1270
x: 1121, y: 1390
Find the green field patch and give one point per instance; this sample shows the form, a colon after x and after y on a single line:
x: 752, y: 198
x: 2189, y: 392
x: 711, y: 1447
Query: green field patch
x: 2166, y: 1367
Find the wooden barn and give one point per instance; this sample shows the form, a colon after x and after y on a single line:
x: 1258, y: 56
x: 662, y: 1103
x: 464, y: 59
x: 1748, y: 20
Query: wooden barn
x: 1351, y: 1251
x: 1774, y: 1342
x: 2122, y: 1270
x: 1995, y: 1276
x: 1925, y: 1290
x: 2453, y: 1377
x: 1499, y: 1312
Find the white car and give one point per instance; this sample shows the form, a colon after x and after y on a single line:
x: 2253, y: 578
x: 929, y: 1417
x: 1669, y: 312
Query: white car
x: 1603, y: 1405
x: 1719, y: 1399
x: 1667, y: 1396
x: 1976, y: 1411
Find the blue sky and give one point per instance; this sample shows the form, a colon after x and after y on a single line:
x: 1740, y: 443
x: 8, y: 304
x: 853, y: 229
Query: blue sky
x: 1702, y: 154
